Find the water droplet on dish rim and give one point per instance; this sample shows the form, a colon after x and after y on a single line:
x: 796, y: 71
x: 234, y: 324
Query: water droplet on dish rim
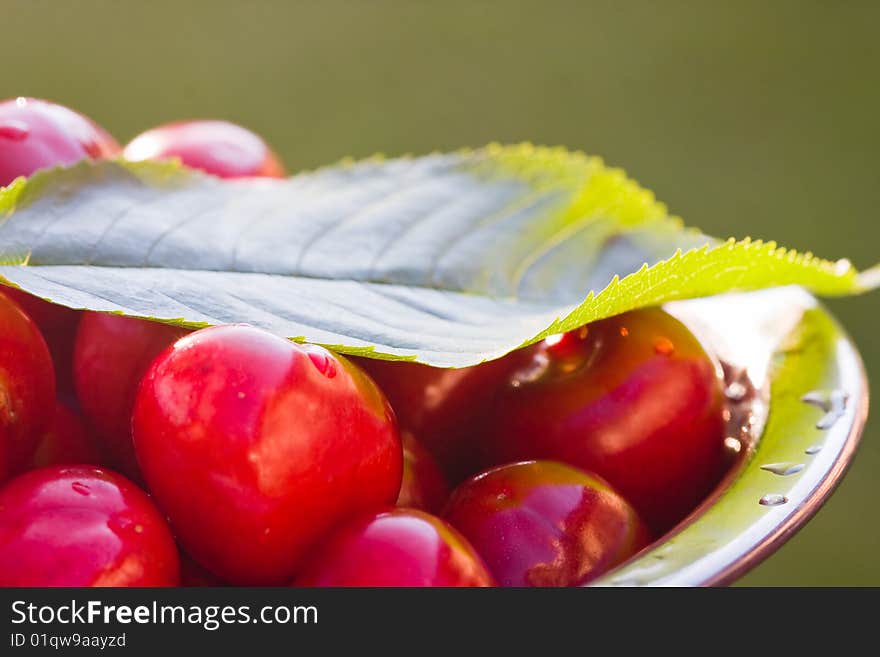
x: 817, y: 398
x: 833, y: 403
x: 735, y: 391
x: 783, y: 469
x: 773, y: 499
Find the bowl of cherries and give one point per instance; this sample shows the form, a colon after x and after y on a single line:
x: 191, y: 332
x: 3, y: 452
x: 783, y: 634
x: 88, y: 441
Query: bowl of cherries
x: 673, y: 444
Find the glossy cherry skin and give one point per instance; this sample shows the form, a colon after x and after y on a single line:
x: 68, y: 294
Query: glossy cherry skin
x: 67, y: 441
x: 396, y: 547
x: 111, y: 354
x: 82, y: 526
x: 220, y: 148
x: 543, y: 523
x: 441, y: 406
x: 35, y: 134
x: 424, y: 486
x: 27, y: 387
x: 255, y: 447
x: 58, y: 325
x: 633, y: 398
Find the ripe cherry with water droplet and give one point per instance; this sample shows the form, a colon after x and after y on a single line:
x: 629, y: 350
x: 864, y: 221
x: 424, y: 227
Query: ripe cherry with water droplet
x: 82, y: 526
x: 35, y: 134
x: 250, y: 481
x: 635, y: 399
x: 542, y: 523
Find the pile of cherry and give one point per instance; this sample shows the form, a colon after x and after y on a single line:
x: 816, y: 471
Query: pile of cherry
x: 135, y: 453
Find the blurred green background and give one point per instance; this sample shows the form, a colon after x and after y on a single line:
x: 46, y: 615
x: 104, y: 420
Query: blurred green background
x: 746, y: 118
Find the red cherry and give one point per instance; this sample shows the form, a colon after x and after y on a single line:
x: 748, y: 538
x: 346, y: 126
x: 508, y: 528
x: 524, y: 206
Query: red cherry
x: 58, y: 325
x: 254, y: 451
x: 27, y: 387
x: 35, y: 134
x: 441, y: 406
x: 220, y: 148
x: 82, y: 526
x: 111, y: 354
x: 633, y: 398
x: 66, y: 441
x: 424, y: 486
x: 541, y: 523
x: 398, y: 547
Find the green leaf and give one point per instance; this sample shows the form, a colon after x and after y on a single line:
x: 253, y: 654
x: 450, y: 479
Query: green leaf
x: 449, y: 259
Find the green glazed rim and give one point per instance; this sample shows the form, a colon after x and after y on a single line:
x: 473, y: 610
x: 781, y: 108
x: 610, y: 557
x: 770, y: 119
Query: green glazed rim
x: 816, y: 395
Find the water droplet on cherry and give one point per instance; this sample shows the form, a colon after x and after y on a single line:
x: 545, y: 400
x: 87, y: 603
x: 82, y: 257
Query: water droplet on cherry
x: 120, y: 524
x: 322, y: 361
x: 663, y: 346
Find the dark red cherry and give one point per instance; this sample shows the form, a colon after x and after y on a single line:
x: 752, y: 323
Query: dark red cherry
x: 67, y: 441
x: 256, y: 447
x: 111, y: 354
x: 58, y: 325
x: 633, y: 398
x: 27, y: 387
x: 82, y: 526
x: 35, y: 134
x: 220, y: 148
x: 542, y: 523
x: 424, y: 486
x: 442, y: 406
x: 397, y: 547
